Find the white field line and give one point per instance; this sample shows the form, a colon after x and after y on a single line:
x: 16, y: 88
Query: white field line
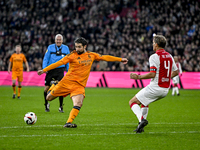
x: 38, y: 126
x: 100, y: 134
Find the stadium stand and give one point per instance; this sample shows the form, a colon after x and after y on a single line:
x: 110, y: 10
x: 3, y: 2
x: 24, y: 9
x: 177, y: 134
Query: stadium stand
x: 118, y: 27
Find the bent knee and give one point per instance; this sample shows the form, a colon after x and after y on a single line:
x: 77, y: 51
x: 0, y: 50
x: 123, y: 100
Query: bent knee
x: 49, y: 97
x: 80, y: 104
x: 134, y: 100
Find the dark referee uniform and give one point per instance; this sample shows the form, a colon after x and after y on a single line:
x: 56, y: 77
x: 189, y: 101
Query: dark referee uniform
x: 52, y: 55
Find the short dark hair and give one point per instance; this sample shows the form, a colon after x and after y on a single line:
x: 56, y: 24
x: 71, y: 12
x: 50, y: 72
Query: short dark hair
x: 81, y: 40
x: 160, y: 40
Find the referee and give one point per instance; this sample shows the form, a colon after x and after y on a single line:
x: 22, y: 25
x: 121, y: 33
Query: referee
x: 54, y: 53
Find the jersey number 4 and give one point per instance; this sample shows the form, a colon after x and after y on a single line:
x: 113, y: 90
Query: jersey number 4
x: 167, y: 66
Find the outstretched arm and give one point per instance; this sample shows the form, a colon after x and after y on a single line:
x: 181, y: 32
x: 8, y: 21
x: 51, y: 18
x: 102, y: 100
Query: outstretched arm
x: 145, y: 76
x: 112, y: 58
x: 50, y: 67
x: 124, y: 60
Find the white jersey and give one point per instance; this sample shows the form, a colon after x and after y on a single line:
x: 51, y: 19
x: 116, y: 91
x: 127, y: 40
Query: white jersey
x: 179, y: 67
x: 176, y: 78
x: 162, y: 63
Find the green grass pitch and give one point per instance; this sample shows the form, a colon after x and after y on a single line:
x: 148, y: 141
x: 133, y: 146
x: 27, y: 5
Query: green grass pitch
x: 104, y: 122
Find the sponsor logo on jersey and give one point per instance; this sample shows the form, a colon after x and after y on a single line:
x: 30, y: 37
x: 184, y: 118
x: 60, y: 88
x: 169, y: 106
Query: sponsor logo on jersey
x: 165, y: 79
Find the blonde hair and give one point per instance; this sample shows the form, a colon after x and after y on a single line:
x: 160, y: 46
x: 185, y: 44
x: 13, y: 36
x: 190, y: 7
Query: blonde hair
x: 18, y: 46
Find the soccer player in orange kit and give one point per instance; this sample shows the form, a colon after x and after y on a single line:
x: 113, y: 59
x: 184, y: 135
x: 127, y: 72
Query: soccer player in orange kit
x: 16, y: 60
x: 74, y: 82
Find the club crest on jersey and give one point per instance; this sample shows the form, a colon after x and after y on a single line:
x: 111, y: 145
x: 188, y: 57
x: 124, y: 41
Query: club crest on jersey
x: 89, y: 56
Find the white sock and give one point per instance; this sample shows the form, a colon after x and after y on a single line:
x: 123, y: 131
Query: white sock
x: 145, y: 110
x: 137, y: 111
x: 177, y: 91
x: 173, y: 90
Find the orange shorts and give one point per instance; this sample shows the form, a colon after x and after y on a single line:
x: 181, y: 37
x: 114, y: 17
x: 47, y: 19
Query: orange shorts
x: 66, y: 87
x: 17, y: 75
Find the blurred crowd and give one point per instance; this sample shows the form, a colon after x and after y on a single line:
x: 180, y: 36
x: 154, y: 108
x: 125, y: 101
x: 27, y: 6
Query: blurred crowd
x: 121, y: 28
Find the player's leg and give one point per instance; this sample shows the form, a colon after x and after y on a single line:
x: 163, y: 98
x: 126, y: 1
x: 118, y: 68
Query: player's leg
x: 19, y: 89
x: 48, y: 79
x: 50, y: 97
x: 77, y: 103
x: 173, y: 88
x: 59, y: 76
x: 14, y: 88
x: 176, y: 89
x: 56, y: 91
x: 20, y: 79
x: 144, y: 110
x: 61, y: 104
x: 145, y: 96
x: 46, y: 104
x: 14, y: 78
x: 173, y: 91
x: 134, y: 105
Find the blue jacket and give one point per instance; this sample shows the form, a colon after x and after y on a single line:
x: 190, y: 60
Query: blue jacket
x: 50, y: 56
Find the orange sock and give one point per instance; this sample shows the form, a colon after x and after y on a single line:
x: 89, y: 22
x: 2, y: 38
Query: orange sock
x: 14, y: 88
x: 74, y: 112
x: 19, y: 90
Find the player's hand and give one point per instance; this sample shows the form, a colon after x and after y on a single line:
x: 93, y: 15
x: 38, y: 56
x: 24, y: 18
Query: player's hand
x: 124, y: 60
x: 40, y: 72
x: 133, y: 76
x: 27, y: 70
x: 8, y: 71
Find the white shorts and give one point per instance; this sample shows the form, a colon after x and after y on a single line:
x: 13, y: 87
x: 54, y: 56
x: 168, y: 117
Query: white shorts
x: 150, y: 94
x: 175, y: 79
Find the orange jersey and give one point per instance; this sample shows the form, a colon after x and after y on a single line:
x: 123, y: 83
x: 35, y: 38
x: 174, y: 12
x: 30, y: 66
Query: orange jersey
x: 80, y: 65
x: 17, y: 61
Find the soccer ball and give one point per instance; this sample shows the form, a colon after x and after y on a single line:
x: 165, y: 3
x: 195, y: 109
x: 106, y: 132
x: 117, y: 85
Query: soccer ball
x: 30, y: 118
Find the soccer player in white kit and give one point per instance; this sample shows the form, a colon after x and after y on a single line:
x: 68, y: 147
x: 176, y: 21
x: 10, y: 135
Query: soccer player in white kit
x: 176, y: 78
x: 162, y: 69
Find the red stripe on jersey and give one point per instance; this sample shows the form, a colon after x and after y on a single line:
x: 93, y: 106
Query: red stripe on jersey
x: 165, y: 70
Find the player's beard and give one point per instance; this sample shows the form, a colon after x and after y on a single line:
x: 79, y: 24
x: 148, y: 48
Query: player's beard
x: 78, y: 52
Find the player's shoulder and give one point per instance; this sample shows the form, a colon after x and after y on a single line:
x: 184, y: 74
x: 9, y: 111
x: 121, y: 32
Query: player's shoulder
x: 13, y: 55
x: 92, y: 53
x: 153, y: 56
x: 72, y: 53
